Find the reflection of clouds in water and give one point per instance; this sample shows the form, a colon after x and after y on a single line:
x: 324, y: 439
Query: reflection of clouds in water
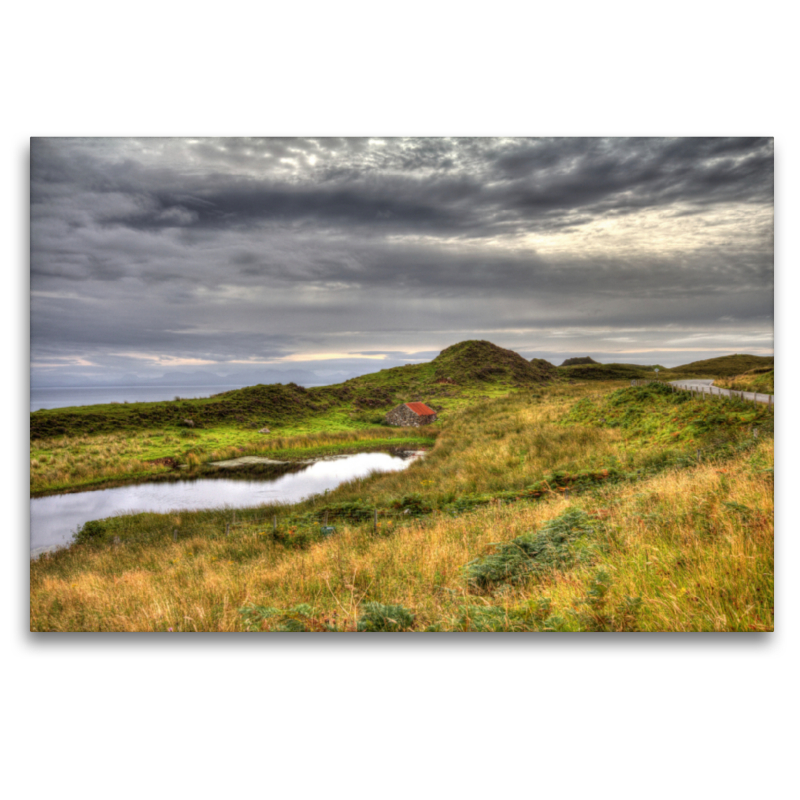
x: 359, y: 465
x: 54, y: 519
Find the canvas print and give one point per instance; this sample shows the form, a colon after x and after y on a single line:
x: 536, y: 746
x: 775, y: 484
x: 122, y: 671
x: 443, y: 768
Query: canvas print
x: 331, y: 385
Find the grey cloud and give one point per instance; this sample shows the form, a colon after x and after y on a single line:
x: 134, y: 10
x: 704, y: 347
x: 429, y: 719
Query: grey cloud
x: 237, y: 249
x: 525, y: 183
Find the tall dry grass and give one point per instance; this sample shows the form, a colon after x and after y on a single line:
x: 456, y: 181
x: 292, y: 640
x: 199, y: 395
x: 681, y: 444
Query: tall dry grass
x: 693, y: 547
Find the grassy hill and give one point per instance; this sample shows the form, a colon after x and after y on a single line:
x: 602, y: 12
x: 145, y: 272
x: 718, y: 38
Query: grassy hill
x: 760, y: 379
x: 464, y: 370
x: 546, y: 368
x: 84, y: 446
x: 723, y: 366
x: 467, y: 368
x: 97, y: 445
x: 480, y: 362
x: 605, y: 372
x: 575, y: 362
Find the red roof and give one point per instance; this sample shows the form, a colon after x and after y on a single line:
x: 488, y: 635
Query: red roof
x: 420, y: 409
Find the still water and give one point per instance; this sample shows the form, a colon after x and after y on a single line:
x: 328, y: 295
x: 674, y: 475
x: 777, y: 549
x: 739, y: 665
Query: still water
x: 55, y: 519
x: 62, y: 397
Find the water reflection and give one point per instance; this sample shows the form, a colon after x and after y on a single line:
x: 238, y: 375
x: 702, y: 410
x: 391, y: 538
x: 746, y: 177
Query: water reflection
x: 55, y: 519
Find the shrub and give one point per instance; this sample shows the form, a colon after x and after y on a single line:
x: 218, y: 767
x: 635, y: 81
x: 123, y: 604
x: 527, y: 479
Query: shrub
x: 294, y: 620
x: 378, y: 617
x: 413, y: 504
x: 488, y: 618
x: 92, y: 531
x: 598, y: 616
x: 551, y: 548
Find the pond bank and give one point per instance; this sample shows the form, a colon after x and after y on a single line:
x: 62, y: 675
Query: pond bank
x: 276, y: 463
x: 56, y: 518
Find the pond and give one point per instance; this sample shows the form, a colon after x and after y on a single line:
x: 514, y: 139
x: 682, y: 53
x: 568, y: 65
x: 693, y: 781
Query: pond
x: 55, y: 519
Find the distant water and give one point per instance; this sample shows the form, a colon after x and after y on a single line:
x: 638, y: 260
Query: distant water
x: 94, y: 395
x: 62, y: 397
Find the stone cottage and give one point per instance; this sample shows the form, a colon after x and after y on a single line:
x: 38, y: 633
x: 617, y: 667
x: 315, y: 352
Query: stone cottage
x: 411, y: 415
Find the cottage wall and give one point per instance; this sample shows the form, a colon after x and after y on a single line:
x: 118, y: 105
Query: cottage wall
x: 404, y: 417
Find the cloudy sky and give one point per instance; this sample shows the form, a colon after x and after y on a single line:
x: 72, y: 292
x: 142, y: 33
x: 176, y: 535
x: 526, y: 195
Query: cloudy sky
x: 325, y: 258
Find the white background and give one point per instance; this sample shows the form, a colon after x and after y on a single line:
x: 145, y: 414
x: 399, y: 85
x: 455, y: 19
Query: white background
x: 647, y: 716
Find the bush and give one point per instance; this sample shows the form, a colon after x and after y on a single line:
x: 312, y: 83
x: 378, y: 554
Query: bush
x: 378, y: 617
x: 488, y: 618
x: 297, y: 537
x: 551, y: 548
x: 299, y: 619
x: 413, y: 504
x: 93, y: 531
x: 598, y: 616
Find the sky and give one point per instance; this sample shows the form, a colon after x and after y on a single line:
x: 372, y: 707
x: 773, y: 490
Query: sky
x: 261, y: 260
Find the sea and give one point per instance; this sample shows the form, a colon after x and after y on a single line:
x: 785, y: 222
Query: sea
x: 62, y: 397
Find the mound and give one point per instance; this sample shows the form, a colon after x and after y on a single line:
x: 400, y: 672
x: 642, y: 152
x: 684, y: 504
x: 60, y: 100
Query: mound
x: 275, y: 403
x: 545, y: 367
x: 603, y: 372
x: 478, y: 360
x: 574, y: 362
x: 725, y: 366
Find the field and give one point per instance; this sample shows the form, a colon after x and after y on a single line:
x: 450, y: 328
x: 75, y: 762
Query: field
x: 546, y: 503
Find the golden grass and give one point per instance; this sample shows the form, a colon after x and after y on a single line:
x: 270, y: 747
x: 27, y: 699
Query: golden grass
x: 688, y: 549
x: 760, y: 380
x: 696, y: 546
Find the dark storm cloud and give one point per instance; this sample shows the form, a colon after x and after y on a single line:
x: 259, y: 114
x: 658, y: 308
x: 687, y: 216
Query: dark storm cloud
x: 626, y: 175
x: 223, y: 250
x: 469, y: 188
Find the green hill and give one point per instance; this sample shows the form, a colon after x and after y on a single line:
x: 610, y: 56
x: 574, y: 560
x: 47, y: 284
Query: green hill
x: 465, y: 367
x: 477, y: 362
x: 723, y: 366
x: 575, y: 362
x: 470, y: 367
x: 760, y: 379
x: 546, y: 368
x: 605, y: 372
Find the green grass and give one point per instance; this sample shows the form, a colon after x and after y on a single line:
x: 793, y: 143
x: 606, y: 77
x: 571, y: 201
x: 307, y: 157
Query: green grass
x: 760, y: 379
x: 661, y: 541
x: 656, y: 415
x: 86, y: 446
x: 69, y: 463
x: 723, y: 366
x: 476, y: 368
x: 556, y: 546
x: 543, y: 504
x: 605, y: 372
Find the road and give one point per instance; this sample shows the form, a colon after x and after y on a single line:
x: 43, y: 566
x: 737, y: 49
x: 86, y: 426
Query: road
x: 707, y: 387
